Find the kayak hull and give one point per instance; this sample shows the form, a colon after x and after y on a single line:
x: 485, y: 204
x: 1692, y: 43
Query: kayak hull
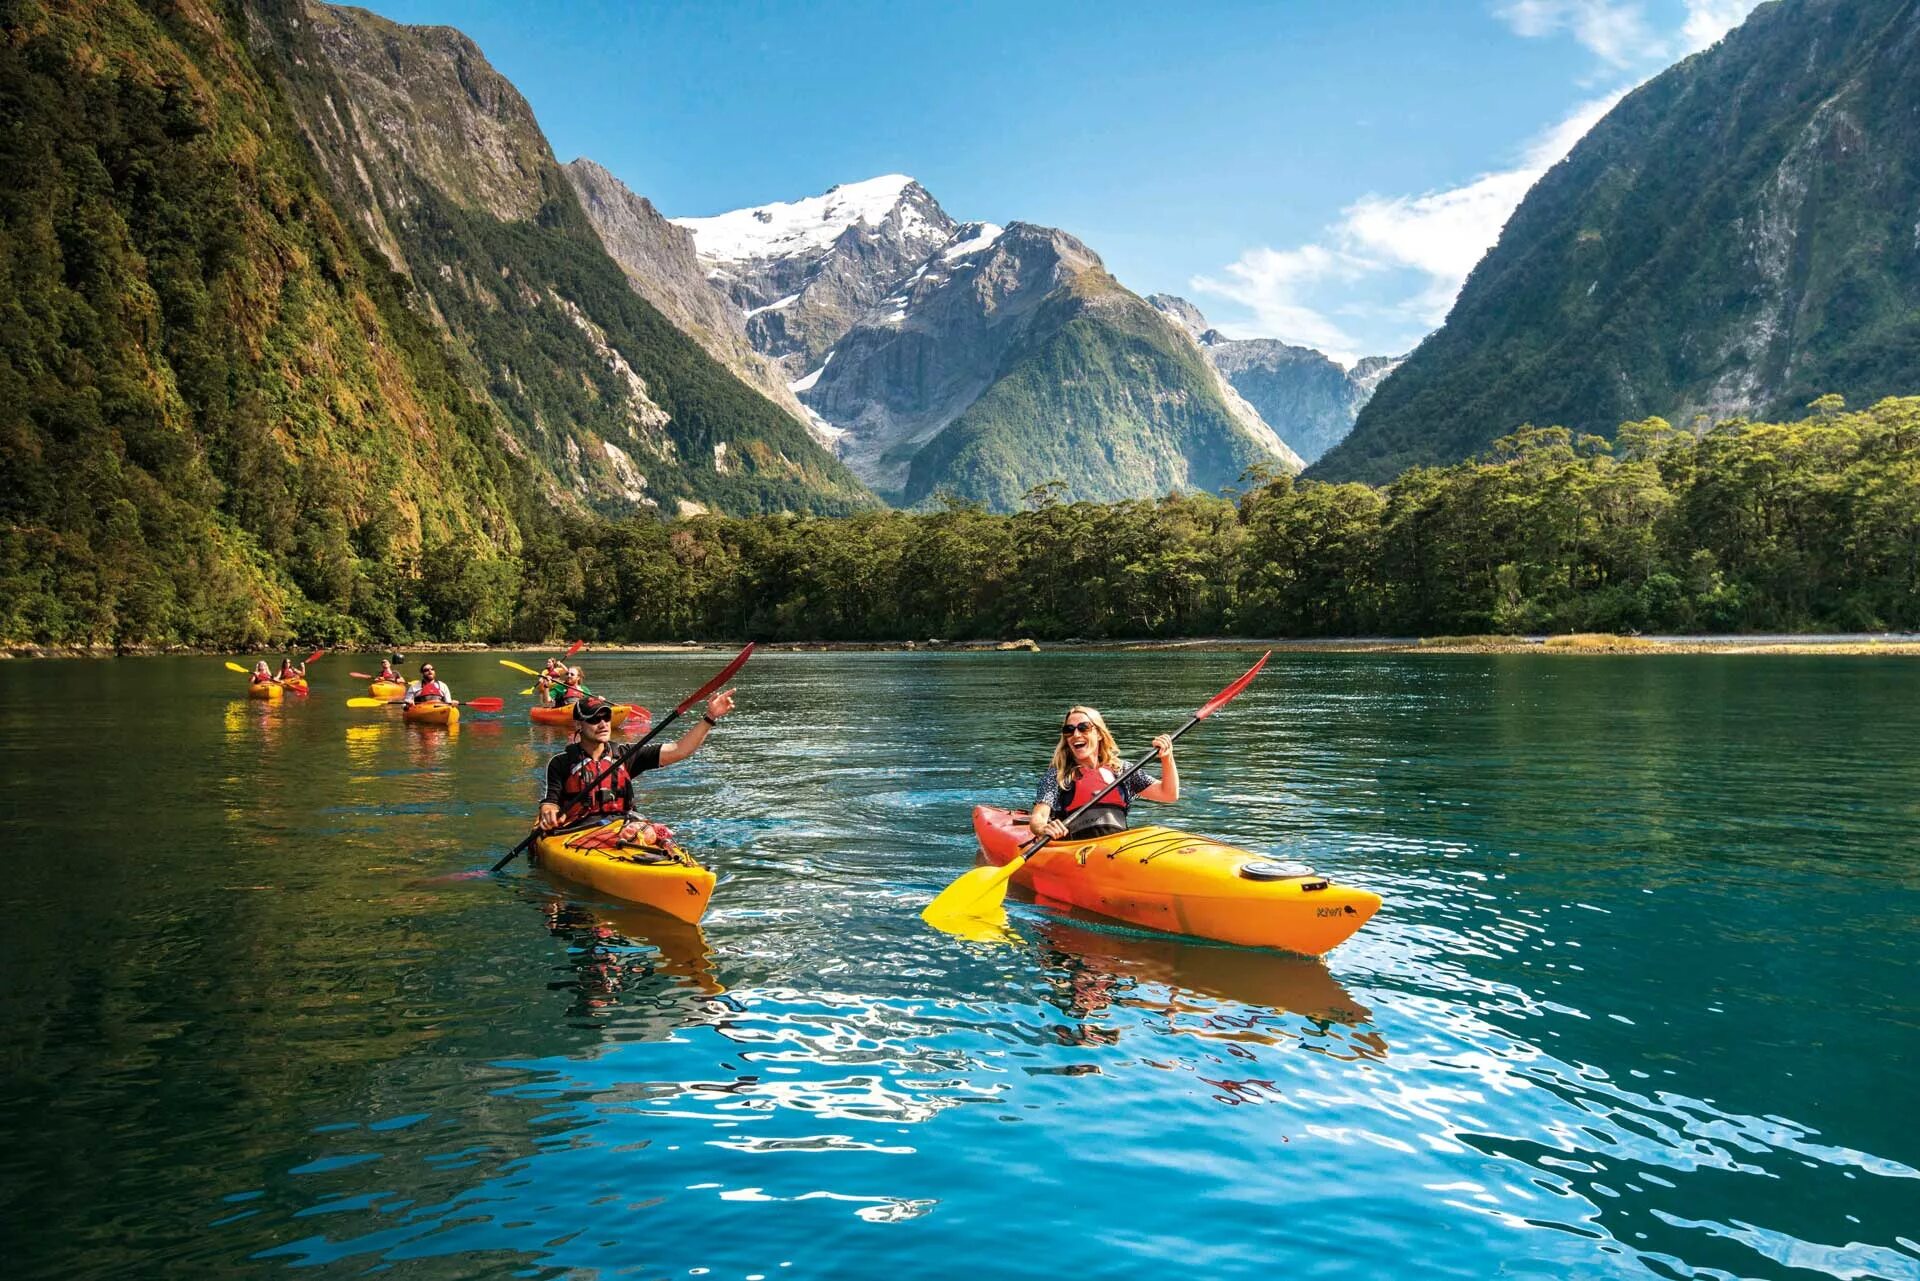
x: 1168, y: 880
x: 668, y: 881
x: 563, y: 715
x: 295, y: 686
x: 432, y: 714
x: 392, y: 691
x: 266, y: 691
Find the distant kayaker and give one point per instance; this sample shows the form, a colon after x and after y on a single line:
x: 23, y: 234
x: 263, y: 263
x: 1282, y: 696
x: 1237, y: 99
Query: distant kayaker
x: 387, y: 670
x: 291, y: 671
x: 580, y: 783
x: 429, y: 688
x: 569, y: 687
x: 262, y: 675
x: 1086, y: 760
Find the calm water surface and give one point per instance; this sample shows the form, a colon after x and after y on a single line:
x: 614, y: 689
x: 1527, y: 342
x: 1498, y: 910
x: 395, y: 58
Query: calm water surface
x: 1644, y: 998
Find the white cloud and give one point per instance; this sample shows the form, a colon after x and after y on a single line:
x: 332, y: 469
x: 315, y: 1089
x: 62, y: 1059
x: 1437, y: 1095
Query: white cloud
x: 1615, y: 31
x: 1270, y: 282
x: 1439, y: 236
x: 1435, y: 239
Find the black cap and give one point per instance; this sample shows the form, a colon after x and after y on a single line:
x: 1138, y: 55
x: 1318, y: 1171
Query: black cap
x: 592, y: 708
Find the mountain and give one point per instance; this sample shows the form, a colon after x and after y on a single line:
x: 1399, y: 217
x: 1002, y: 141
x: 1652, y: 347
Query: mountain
x: 1736, y: 237
x: 1305, y: 396
x: 440, y: 163
x: 902, y: 325
x: 661, y: 265
x: 804, y: 272
x: 220, y: 421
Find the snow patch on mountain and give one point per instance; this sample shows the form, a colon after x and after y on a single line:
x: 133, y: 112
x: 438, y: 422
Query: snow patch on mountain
x: 970, y: 239
x: 784, y: 228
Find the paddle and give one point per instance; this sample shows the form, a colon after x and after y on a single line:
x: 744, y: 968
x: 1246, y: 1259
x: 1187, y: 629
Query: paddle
x: 313, y: 658
x: 484, y: 704
x: 360, y: 676
x: 248, y: 671
x: 615, y: 760
x: 508, y: 662
x: 984, y: 889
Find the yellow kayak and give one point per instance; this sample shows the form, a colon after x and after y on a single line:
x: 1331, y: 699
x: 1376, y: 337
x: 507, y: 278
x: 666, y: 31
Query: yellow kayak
x: 265, y: 690
x: 1183, y: 884
x: 667, y: 879
x: 392, y: 691
x: 432, y: 713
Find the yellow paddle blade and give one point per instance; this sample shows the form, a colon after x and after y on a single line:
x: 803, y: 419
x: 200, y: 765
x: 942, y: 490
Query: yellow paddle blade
x: 977, y: 894
x: 508, y: 662
x: 992, y: 928
x: 235, y: 667
x: 369, y: 702
x: 527, y: 690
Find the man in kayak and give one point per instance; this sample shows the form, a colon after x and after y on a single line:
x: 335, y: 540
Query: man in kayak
x: 387, y: 670
x: 582, y: 783
x: 428, y: 689
x: 1086, y: 760
x: 569, y: 688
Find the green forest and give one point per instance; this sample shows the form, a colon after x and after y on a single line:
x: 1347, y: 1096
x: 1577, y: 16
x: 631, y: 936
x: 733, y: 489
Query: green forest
x: 1813, y: 524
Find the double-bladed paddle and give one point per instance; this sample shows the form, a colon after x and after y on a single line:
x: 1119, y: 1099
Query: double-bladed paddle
x: 958, y: 908
x: 614, y: 761
x: 481, y: 704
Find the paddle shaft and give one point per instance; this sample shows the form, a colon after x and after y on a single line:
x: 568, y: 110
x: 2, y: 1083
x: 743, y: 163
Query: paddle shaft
x: 1101, y: 795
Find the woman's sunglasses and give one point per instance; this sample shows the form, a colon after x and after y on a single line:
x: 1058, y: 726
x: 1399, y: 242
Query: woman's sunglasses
x: 1076, y: 727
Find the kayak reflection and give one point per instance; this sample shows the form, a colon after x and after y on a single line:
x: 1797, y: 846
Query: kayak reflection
x: 1196, y: 985
x: 603, y: 939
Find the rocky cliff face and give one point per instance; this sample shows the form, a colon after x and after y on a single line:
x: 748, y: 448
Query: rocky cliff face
x: 1737, y: 237
x: 439, y: 159
x: 663, y: 266
x: 1308, y: 400
x: 804, y: 272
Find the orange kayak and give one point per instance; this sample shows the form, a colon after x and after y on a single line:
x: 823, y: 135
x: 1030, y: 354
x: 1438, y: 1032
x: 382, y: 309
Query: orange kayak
x: 668, y: 879
x: 432, y: 714
x: 295, y: 686
x: 540, y: 714
x: 392, y: 691
x: 266, y: 690
x: 1183, y: 884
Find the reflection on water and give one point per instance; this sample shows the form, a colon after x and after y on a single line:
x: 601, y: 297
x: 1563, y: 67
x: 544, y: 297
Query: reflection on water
x: 1639, y: 1001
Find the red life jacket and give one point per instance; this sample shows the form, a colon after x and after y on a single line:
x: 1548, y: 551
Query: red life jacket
x: 1109, y: 815
x: 608, y: 785
x: 431, y: 691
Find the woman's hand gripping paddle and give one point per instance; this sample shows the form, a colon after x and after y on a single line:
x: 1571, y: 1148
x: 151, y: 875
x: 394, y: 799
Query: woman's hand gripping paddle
x: 981, y: 893
x: 628, y: 753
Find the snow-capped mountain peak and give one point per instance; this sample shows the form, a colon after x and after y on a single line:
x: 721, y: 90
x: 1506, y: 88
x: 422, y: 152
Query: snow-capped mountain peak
x: 811, y: 224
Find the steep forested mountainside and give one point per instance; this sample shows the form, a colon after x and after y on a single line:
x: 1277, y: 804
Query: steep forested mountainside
x: 219, y: 420
x: 1738, y: 236
x: 440, y: 161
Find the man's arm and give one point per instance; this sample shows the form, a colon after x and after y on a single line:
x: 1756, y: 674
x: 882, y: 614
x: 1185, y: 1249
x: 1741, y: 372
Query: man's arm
x: 689, y: 743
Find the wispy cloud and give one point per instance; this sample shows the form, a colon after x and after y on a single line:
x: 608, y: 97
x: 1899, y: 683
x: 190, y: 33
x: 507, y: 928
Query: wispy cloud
x: 1433, y: 240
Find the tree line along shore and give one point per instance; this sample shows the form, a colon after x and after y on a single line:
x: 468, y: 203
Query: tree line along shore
x: 1805, y: 526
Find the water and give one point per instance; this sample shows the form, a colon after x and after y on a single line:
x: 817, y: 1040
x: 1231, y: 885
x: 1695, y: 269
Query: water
x: 1643, y: 999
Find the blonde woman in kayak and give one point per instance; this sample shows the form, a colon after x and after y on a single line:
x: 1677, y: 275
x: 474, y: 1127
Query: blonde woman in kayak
x: 1086, y: 760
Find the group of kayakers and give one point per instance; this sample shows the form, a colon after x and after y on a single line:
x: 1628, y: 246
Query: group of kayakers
x: 587, y: 782
x: 290, y: 673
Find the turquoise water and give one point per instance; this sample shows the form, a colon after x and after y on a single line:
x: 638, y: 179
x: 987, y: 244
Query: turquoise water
x: 1643, y: 1000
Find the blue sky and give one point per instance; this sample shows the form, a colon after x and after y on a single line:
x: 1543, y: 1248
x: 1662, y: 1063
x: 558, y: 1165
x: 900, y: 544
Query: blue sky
x: 1325, y: 173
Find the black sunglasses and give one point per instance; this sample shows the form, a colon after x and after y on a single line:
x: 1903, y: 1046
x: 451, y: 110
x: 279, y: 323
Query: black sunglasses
x: 1077, y: 727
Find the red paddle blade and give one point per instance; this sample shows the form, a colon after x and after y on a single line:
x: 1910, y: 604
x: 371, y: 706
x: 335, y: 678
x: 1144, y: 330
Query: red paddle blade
x: 486, y: 704
x: 314, y: 657
x: 726, y: 674
x: 360, y: 676
x: 1232, y: 691
x: 575, y: 648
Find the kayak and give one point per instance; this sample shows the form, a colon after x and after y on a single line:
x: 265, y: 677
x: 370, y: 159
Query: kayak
x: 1183, y: 884
x: 264, y: 689
x: 392, y: 691
x: 667, y: 879
x: 432, y: 714
x: 563, y: 714
x: 295, y: 686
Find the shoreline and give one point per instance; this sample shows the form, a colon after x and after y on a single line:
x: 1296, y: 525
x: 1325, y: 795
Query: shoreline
x: 1889, y: 644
